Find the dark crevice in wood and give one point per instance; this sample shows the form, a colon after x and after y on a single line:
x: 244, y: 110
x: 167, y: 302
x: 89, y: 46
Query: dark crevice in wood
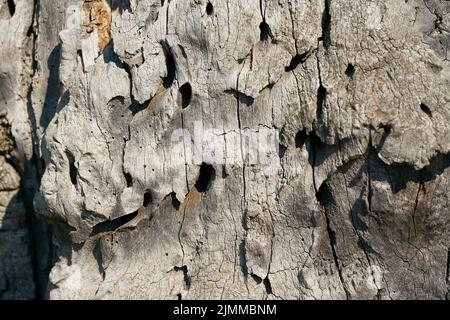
x: 297, y: 60
x: 113, y: 225
x: 350, y: 71
x: 148, y: 199
x: 282, y: 149
x: 314, y: 143
x: 121, y: 5
x: 97, y: 253
x: 224, y: 172
x: 128, y: 179
x: 206, y: 176
x: 241, y: 97
x: 265, y: 32
x: 300, y: 138
x: 73, y: 171
x: 186, y: 95
x: 170, y: 65
x: 425, y: 109
x: 183, y: 52
x: 186, y: 277
x: 321, y: 97
x: 243, y: 260
x: 325, y: 199
x: 209, y: 8
x: 11, y: 8
x: 175, y: 202
x: 267, y: 285
x: 256, y: 278
x: 136, y: 107
x: 326, y: 25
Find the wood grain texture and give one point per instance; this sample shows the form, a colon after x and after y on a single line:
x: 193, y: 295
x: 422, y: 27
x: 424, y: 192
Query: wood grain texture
x: 132, y: 174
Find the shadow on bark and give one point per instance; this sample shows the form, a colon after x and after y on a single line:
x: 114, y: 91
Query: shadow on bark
x: 52, y: 102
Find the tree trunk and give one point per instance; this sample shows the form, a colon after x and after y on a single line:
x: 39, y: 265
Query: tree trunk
x: 195, y: 149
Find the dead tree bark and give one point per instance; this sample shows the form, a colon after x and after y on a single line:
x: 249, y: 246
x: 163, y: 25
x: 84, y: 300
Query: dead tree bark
x: 234, y: 149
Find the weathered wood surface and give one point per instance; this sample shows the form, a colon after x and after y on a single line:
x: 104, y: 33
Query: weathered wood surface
x: 110, y: 111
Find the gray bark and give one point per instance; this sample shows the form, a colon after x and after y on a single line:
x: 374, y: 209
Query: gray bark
x: 128, y: 168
